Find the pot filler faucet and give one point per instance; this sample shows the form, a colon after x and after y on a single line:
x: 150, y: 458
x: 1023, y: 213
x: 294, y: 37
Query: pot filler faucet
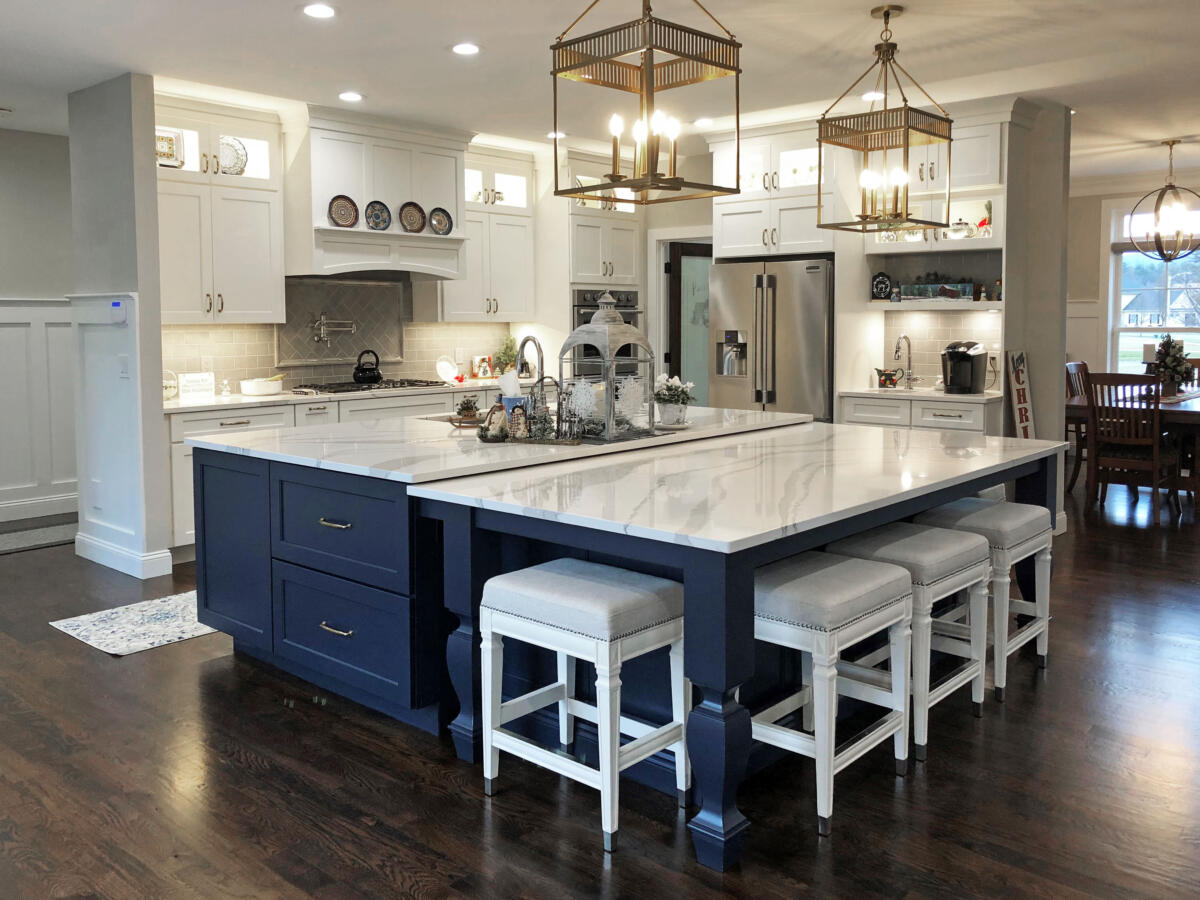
x: 908, y: 375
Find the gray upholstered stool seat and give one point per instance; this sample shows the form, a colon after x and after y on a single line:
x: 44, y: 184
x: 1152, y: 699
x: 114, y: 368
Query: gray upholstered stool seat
x: 942, y: 562
x: 601, y: 602
x: 605, y: 616
x: 824, y: 592
x: 822, y: 604
x: 1014, y: 532
x: 1003, y: 524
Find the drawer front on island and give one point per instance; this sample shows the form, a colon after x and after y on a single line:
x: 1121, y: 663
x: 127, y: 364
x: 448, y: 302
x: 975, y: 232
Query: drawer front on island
x: 347, y: 525
x: 233, y: 546
x: 875, y: 411
x: 354, y: 633
x: 945, y: 414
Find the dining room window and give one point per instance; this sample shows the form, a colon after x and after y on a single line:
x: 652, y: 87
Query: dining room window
x: 1152, y: 299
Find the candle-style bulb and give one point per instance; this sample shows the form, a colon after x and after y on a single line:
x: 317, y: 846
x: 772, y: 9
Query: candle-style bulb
x: 640, y: 131
x: 616, y: 126
x: 658, y: 121
x: 672, y: 129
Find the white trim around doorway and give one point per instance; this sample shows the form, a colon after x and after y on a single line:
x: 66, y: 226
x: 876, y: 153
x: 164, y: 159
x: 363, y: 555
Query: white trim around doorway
x: 656, y: 280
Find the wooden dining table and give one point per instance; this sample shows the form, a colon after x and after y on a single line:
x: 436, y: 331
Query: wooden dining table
x: 1181, y: 418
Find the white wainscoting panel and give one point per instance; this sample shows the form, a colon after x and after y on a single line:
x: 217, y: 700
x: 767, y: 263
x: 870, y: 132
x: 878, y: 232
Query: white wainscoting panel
x: 37, y: 409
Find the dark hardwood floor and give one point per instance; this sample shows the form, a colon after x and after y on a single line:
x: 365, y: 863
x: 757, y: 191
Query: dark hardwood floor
x: 184, y: 771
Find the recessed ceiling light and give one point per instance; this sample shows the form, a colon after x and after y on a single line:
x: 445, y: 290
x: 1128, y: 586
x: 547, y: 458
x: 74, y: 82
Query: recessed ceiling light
x: 320, y: 11
x: 703, y: 122
x: 465, y: 49
x: 556, y: 135
x: 873, y: 96
x: 350, y: 96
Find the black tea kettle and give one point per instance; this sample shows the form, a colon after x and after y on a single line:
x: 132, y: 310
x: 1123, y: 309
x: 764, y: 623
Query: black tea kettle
x: 367, y: 372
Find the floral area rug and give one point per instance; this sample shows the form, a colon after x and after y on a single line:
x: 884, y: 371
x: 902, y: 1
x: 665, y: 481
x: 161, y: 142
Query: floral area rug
x: 139, y: 626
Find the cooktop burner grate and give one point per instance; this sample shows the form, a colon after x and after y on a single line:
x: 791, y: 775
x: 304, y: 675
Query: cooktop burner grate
x: 350, y: 387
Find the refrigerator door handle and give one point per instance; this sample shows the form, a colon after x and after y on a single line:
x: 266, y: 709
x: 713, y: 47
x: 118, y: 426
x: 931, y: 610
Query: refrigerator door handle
x: 756, y: 337
x: 769, y: 328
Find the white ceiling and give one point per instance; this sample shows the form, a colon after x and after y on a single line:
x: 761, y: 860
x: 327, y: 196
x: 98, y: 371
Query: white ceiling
x: 1130, y: 69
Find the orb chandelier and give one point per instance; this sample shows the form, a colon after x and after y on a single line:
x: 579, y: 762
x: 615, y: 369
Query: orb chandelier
x: 1174, y: 218
x: 883, y: 146
x: 644, y: 58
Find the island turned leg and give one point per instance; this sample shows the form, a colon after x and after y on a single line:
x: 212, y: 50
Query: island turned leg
x: 718, y: 657
x: 470, y: 558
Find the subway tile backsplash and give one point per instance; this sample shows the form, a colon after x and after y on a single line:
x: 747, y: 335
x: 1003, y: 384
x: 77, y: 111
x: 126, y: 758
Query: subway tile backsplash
x: 930, y: 332
x: 408, y: 349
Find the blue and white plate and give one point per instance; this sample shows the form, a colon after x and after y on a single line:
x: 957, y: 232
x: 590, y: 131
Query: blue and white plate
x: 378, y: 217
x: 440, y: 221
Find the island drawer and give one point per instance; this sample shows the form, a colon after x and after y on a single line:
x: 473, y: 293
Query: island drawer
x: 346, y: 525
x: 356, y: 634
x: 184, y: 425
x: 946, y: 414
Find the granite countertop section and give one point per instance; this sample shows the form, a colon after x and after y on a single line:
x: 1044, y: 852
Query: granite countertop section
x: 728, y: 494
x: 925, y: 393
x: 416, y: 448
x: 238, y: 401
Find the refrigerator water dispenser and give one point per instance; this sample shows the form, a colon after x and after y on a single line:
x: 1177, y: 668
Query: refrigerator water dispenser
x: 731, y: 353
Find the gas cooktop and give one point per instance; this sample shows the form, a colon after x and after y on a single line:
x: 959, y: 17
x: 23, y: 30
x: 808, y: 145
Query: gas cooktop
x: 349, y: 387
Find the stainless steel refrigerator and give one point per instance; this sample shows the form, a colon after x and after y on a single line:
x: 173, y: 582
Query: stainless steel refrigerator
x: 770, y: 331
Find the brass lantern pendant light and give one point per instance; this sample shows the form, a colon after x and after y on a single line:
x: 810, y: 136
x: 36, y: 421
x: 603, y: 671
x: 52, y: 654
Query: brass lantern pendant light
x: 645, y: 57
x: 882, y: 147
x: 1176, y: 218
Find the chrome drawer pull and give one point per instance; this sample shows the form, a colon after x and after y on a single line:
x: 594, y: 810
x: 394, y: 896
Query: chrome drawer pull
x: 313, y: 409
x: 341, y: 526
x: 325, y: 626
x: 938, y: 415
x: 236, y: 422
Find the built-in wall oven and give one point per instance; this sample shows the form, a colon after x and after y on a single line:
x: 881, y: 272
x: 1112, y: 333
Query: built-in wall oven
x: 586, y: 304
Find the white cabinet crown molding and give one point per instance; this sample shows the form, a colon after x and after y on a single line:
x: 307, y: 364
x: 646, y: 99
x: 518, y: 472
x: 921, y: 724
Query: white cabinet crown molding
x: 388, y: 129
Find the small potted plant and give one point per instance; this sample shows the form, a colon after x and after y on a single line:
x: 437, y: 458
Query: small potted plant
x: 1172, y: 365
x: 672, y: 397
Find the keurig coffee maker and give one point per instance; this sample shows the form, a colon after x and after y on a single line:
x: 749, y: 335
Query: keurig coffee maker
x: 964, y: 367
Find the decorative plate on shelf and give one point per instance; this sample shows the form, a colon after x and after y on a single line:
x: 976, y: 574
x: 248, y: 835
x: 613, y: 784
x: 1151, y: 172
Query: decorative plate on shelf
x: 168, y: 147
x: 343, y: 211
x: 881, y: 286
x: 412, y: 217
x: 440, y: 221
x: 378, y: 217
x: 233, y: 156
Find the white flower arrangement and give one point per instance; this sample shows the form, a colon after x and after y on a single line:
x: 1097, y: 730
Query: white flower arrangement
x: 672, y: 390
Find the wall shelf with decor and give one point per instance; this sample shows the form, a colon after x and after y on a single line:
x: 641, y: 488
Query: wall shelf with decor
x: 940, y: 305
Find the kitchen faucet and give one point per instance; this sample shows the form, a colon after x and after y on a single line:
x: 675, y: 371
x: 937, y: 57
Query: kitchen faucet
x: 908, y: 375
x: 539, y: 392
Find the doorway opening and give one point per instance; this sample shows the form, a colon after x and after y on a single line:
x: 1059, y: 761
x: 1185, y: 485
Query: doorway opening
x: 687, y: 270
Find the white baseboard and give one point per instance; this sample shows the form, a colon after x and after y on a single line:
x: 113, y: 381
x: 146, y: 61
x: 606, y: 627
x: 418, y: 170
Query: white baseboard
x: 11, y: 510
x: 1060, y: 522
x: 139, y: 565
x: 183, y: 554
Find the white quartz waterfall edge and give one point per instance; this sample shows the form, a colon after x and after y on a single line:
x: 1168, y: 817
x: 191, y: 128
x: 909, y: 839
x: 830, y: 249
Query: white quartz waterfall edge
x: 139, y: 626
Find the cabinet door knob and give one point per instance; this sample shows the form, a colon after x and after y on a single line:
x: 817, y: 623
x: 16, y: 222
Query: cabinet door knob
x: 208, y: 303
x: 340, y: 526
x: 325, y: 626
x: 220, y: 303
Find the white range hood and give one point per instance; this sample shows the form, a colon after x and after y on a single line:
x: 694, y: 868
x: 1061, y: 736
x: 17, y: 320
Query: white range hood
x: 368, y: 158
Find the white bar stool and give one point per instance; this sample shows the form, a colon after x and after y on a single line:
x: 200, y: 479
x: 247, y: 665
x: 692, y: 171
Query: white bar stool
x: 1014, y: 532
x: 822, y: 604
x: 597, y: 613
x: 941, y: 563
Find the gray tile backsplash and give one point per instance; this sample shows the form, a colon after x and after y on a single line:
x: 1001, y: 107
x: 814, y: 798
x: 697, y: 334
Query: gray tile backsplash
x: 382, y: 313
x: 930, y: 332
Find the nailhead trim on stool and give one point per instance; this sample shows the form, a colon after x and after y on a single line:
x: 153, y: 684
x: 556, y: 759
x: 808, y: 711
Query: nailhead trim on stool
x: 822, y: 604
x: 941, y: 562
x: 1015, y: 532
x: 606, y: 616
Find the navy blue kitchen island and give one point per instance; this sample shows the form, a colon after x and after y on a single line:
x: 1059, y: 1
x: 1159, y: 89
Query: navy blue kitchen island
x: 318, y: 558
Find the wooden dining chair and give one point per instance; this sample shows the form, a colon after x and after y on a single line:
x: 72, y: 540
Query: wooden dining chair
x: 1125, y: 437
x: 1190, y: 445
x: 1077, y: 376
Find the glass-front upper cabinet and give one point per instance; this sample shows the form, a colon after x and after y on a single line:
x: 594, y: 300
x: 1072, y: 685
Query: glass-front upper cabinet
x: 975, y: 223
x: 200, y: 144
x: 498, y: 184
x: 584, y: 173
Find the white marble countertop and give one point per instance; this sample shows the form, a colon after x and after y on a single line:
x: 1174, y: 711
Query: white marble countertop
x: 287, y: 398
x: 416, y: 449
x: 728, y: 494
x: 926, y: 393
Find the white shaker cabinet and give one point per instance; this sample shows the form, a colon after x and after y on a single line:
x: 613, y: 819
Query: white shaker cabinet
x: 247, y: 255
x: 604, y: 251
x: 498, y: 286
x: 185, y: 252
